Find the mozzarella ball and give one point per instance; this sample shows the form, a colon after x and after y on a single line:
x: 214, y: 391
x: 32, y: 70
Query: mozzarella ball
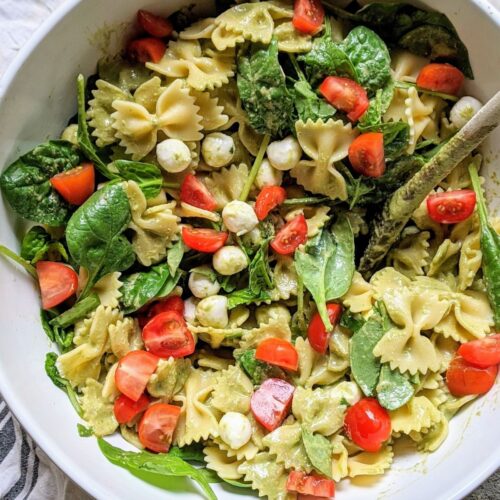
x: 173, y: 155
x: 190, y: 309
x: 349, y: 391
x: 273, y: 313
x: 268, y: 175
x: 235, y: 429
x: 284, y: 154
x: 217, y: 149
x: 463, y: 110
x: 239, y: 217
x: 229, y: 260
x: 212, y: 311
x: 202, y: 284
x: 70, y: 134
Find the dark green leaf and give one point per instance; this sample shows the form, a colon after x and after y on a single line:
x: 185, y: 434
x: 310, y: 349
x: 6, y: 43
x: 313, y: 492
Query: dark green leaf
x: 191, y: 453
x: 378, y: 106
x: 79, y: 311
x: 351, y: 321
x: 26, y: 182
x: 38, y: 245
x: 45, y: 317
x: 84, y: 431
x: 260, y: 278
x: 257, y: 370
x: 159, y: 464
x: 174, y: 257
x: 309, y: 105
x: 246, y: 296
x: 393, y: 389
x: 319, y: 451
x: 146, y: 175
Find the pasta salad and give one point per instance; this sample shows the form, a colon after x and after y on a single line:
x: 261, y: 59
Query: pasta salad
x: 208, y: 249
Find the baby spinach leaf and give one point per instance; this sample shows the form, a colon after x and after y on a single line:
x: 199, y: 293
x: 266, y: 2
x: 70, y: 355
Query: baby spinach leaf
x: 162, y: 464
x: 140, y: 288
x: 61, y: 336
x: 378, y: 106
x: 63, y: 384
x: 393, y: 388
x: 38, y: 245
x: 309, y: 105
x: 319, y: 451
x: 174, y: 256
x: 191, y: 452
x: 263, y: 91
x: 237, y: 484
x: 84, y: 431
x: 396, y: 138
x: 94, y: 234
x: 26, y: 182
x: 246, y: 296
x: 79, y: 311
x: 147, y: 176
x: 257, y: 370
x: 369, y: 56
x: 260, y: 277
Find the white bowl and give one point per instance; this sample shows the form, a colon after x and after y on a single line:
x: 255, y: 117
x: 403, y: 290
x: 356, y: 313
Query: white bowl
x: 37, y: 96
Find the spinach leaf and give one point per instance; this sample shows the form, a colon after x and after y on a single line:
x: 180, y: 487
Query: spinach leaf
x: 237, y: 484
x: 79, y: 311
x: 84, y: 431
x: 257, y: 370
x: 263, y: 91
x: 191, y: 453
x: 159, y: 464
x: 260, y: 277
x: 61, y: 336
x: 396, y: 138
x: 175, y: 256
x: 54, y: 375
x: 140, y: 288
x: 26, y: 182
x: 319, y: 451
x: 38, y: 245
x: 393, y: 388
x: 147, y: 176
x: 369, y: 56
x: 309, y: 105
x: 326, y: 266
x: 246, y: 296
x: 94, y: 234
x: 378, y: 106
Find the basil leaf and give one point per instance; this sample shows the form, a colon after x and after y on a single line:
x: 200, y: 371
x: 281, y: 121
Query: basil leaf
x: 319, y: 451
x: 257, y: 370
x: 26, y: 183
x: 158, y: 464
x: 146, y: 175
x: 79, y: 311
x: 246, y: 296
x: 259, y: 273
x: 94, y: 234
x: 393, y: 389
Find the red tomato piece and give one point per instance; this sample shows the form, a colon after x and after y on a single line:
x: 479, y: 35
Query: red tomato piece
x: 173, y: 303
x: 316, y: 332
x: 194, y: 192
x: 271, y: 402
x: 157, y: 427
x: 133, y: 372
x: 368, y: 424
x: 203, y: 240
x: 366, y: 154
x: 268, y: 199
x: 482, y: 352
x: 290, y: 236
x: 126, y: 410
x: 75, y: 185
x: 464, y: 378
x: 308, y: 16
x: 278, y: 352
x: 57, y: 282
x: 346, y: 95
x: 451, y: 207
x: 440, y: 78
x: 154, y: 25
x: 168, y: 335
x: 146, y: 50
x: 311, y: 484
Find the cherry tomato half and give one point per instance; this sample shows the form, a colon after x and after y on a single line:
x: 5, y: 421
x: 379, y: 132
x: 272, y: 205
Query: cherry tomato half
x: 157, y: 427
x: 154, y: 25
x: 464, y: 378
x: 203, y: 240
x: 366, y: 154
x: 168, y: 335
x: 440, y: 78
x: 482, y: 352
x: 345, y: 94
x: 146, y: 50
x: 57, y: 282
x: 75, y: 185
x: 451, y: 207
x: 173, y: 303
x: 311, y: 484
x: 316, y: 332
x: 126, y: 410
x: 278, y: 352
x: 308, y: 16
x: 368, y: 424
x: 290, y: 236
x: 133, y: 372
x: 194, y: 192
x: 271, y: 402
x: 268, y: 199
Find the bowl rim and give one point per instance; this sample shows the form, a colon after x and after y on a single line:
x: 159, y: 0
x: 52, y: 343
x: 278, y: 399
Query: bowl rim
x: 79, y: 475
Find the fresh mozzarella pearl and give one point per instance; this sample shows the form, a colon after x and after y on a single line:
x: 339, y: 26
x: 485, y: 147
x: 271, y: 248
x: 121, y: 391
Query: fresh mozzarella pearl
x: 217, y: 149
x: 463, y: 110
x: 268, y: 175
x: 285, y: 154
x: 229, y: 260
x: 70, y: 134
x: 190, y: 309
x: 273, y: 313
x: 212, y: 311
x: 349, y: 391
x: 173, y: 155
x: 239, y: 217
x: 235, y: 429
x: 202, y: 284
